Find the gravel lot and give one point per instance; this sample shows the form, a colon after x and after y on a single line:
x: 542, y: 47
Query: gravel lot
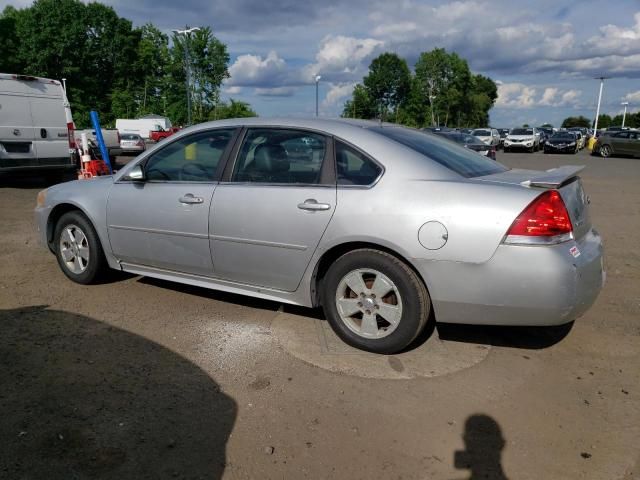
x: 139, y: 378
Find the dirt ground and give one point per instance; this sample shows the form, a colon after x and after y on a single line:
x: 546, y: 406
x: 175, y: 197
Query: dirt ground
x: 138, y: 378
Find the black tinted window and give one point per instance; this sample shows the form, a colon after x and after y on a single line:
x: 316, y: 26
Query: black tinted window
x: 353, y: 167
x: 280, y: 156
x: 461, y: 160
x: 522, y: 131
x: 193, y: 158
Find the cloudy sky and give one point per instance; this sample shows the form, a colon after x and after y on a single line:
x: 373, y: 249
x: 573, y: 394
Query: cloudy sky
x: 543, y: 53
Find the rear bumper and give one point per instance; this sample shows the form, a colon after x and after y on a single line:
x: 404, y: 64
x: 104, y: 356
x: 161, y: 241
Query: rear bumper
x: 520, y: 285
x: 566, y: 149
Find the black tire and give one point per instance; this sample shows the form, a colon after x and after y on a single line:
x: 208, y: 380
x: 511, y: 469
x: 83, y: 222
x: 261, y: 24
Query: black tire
x: 96, y: 265
x: 505, y: 150
x: 416, y: 304
x: 532, y: 149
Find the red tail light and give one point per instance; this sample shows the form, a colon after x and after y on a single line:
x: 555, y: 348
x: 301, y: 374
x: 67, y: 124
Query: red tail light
x: 545, y: 220
x: 71, y: 128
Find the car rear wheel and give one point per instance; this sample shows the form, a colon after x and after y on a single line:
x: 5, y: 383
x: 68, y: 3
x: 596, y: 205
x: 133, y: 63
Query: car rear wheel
x: 77, y: 248
x: 374, y: 301
x: 605, y: 151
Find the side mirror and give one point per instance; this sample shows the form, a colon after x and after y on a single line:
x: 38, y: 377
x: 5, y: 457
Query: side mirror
x: 136, y: 174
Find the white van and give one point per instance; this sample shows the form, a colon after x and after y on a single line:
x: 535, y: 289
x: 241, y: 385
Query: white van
x: 36, y: 128
x: 143, y: 126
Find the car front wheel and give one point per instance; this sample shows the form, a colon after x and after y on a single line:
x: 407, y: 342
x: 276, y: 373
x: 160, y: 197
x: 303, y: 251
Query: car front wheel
x: 605, y: 151
x: 374, y: 301
x: 78, y: 248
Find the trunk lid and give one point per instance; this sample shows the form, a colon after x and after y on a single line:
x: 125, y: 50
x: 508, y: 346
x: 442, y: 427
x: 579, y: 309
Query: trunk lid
x: 564, y: 179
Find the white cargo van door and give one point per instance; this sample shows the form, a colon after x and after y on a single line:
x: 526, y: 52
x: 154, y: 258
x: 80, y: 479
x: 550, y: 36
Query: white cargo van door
x: 50, y: 130
x: 17, y: 133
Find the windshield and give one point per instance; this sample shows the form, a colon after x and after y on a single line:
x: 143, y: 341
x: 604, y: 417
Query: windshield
x: 522, y: 131
x: 482, y: 133
x: 461, y: 160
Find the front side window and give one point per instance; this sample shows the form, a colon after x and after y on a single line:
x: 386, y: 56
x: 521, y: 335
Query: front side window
x: 194, y: 158
x: 353, y: 167
x: 280, y: 156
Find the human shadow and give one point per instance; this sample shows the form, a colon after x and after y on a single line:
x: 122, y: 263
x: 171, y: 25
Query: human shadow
x: 35, y: 179
x: 82, y: 399
x: 484, y: 443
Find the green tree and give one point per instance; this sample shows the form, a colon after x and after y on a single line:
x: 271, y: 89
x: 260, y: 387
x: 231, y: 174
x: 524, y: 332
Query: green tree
x: 360, y: 105
x: 631, y: 120
x: 208, y: 60
x: 604, y: 121
x: 579, y: 121
x: 10, y: 57
x: 388, y: 82
x: 546, y: 125
x: 233, y: 109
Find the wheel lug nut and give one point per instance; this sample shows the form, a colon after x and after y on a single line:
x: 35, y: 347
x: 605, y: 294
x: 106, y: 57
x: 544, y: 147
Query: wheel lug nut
x: 373, y: 295
x: 377, y: 307
x: 368, y: 312
x: 359, y: 304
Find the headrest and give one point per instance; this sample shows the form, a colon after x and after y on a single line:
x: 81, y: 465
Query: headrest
x: 271, y: 158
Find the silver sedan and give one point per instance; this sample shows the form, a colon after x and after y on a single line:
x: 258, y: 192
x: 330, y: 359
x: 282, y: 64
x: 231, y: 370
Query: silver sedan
x: 380, y: 225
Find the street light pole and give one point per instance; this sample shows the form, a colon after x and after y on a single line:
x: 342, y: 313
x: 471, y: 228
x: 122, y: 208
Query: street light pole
x: 595, y: 125
x: 318, y: 77
x: 624, y: 115
x: 187, y: 36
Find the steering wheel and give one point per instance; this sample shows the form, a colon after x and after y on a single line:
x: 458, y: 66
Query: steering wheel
x: 191, y: 169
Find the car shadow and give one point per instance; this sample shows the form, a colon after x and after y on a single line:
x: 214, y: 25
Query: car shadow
x: 482, y: 455
x: 82, y: 399
x: 505, y: 336
x: 35, y: 180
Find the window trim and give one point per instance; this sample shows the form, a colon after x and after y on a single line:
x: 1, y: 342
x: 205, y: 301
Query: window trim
x: 327, y: 169
x: 219, y: 169
x: 363, y: 153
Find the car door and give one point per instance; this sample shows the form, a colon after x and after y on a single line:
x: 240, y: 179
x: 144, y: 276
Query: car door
x: 620, y: 143
x: 163, y: 221
x: 272, y: 207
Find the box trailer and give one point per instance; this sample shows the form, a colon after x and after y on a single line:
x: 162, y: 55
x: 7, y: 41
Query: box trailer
x: 143, y: 126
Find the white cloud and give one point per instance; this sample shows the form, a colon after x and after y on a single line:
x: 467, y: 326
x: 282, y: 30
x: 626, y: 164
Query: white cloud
x: 338, y: 92
x: 232, y: 90
x: 519, y: 95
x: 275, y: 92
x: 253, y: 70
x: 341, y: 57
x: 632, y: 97
x: 616, y: 40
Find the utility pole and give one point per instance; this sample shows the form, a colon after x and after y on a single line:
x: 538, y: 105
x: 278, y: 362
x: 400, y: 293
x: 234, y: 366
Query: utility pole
x: 595, y: 124
x: 624, y: 115
x: 187, y: 36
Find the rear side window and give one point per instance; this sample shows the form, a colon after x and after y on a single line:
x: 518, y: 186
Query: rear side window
x: 459, y: 159
x: 353, y: 167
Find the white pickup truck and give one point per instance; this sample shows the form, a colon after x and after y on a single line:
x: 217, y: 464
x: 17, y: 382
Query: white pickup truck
x: 111, y: 138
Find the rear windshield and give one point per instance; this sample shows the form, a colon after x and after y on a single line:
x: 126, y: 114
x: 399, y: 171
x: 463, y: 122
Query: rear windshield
x: 563, y: 136
x: 461, y: 160
x: 522, y: 131
x: 129, y: 136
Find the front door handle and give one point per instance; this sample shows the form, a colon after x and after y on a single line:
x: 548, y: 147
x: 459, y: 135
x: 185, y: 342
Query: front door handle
x: 312, y: 205
x: 189, y: 199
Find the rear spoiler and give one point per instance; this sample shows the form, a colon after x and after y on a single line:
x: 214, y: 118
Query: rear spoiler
x: 553, y: 178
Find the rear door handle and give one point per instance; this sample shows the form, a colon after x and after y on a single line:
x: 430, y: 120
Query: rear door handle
x: 312, y: 205
x: 190, y: 199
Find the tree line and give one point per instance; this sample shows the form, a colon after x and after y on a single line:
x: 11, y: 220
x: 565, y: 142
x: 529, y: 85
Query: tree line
x: 632, y: 120
x: 114, y: 68
x: 442, y: 90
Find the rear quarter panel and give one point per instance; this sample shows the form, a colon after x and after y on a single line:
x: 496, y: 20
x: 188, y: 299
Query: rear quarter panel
x: 392, y: 212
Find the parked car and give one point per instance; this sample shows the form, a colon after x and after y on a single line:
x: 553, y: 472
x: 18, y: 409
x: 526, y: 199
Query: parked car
x: 561, y: 142
x: 36, y: 127
x: 522, y: 139
x: 470, y: 142
x: 503, y: 135
x: 620, y: 142
x: 143, y: 126
x: 131, y: 143
x: 490, y: 136
x: 386, y: 226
